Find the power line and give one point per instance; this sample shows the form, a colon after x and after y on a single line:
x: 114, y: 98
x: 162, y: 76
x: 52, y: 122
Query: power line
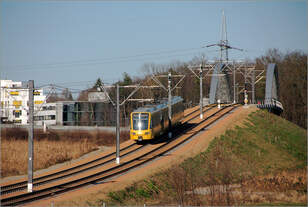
x: 89, y: 64
x: 102, y: 60
x: 65, y: 85
x: 69, y: 83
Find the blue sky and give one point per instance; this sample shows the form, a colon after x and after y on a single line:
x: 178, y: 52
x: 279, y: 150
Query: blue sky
x: 70, y: 42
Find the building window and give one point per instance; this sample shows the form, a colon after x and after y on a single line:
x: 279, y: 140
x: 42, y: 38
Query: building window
x: 48, y: 108
x: 36, y: 93
x: 52, y: 108
x: 50, y: 117
x: 38, y: 118
x: 47, y: 117
x: 17, y: 113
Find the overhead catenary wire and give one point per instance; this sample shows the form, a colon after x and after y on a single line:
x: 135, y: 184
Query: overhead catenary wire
x: 104, y: 59
x: 52, y: 66
x: 72, y: 83
x: 61, y: 88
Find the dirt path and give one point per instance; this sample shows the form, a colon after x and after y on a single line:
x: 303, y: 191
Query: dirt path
x: 198, y: 144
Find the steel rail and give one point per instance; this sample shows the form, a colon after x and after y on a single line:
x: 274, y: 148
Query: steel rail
x: 20, y: 199
x: 197, y: 112
x: 67, y: 172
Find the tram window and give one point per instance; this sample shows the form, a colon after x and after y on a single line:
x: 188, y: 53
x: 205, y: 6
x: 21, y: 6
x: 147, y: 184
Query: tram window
x: 140, y: 121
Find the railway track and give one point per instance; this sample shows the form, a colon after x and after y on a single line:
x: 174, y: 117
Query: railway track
x: 133, y: 160
x: 69, y: 171
x: 89, y: 165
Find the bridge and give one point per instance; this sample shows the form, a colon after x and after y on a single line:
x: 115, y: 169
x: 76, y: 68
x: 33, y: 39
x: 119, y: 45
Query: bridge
x: 271, y: 102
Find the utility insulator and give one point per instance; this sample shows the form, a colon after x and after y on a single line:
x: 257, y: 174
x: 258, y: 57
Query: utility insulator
x: 169, y: 105
x: 201, y: 69
x: 169, y: 76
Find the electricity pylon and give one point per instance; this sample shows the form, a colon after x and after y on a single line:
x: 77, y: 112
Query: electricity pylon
x: 223, y: 43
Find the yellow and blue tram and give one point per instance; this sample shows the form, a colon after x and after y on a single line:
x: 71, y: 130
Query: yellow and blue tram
x: 152, y: 120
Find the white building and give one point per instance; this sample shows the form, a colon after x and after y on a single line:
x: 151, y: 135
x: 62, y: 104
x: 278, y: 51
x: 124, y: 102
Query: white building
x: 46, y: 114
x: 15, y: 102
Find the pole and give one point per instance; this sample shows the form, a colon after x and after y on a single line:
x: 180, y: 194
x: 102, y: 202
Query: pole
x: 118, y: 127
x: 30, y: 137
x: 237, y: 93
x: 0, y: 123
x: 169, y: 105
x: 234, y: 85
x: 44, y: 127
x: 201, y: 93
x: 253, y: 86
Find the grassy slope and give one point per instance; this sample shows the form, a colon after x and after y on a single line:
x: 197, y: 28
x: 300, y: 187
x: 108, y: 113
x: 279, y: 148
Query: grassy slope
x: 267, y: 154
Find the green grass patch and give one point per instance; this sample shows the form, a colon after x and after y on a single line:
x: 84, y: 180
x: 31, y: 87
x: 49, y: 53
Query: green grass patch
x: 137, y: 193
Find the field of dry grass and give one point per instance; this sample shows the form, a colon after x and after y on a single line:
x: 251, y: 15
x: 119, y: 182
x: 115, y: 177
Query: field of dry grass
x: 49, y: 148
x: 285, y: 187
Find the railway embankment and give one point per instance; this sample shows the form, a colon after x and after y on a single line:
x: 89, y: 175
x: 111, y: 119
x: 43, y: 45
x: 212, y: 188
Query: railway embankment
x: 248, y: 157
x: 261, y: 161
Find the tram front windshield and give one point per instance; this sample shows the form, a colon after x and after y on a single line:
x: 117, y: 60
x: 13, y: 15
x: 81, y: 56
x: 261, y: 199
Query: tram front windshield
x: 140, y: 121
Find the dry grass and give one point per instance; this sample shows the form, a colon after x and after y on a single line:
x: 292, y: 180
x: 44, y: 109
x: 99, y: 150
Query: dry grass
x: 14, y: 154
x: 283, y: 187
x: 49, y: 148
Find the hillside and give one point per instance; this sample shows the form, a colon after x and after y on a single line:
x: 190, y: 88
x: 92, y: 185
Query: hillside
x: 263, y: 161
